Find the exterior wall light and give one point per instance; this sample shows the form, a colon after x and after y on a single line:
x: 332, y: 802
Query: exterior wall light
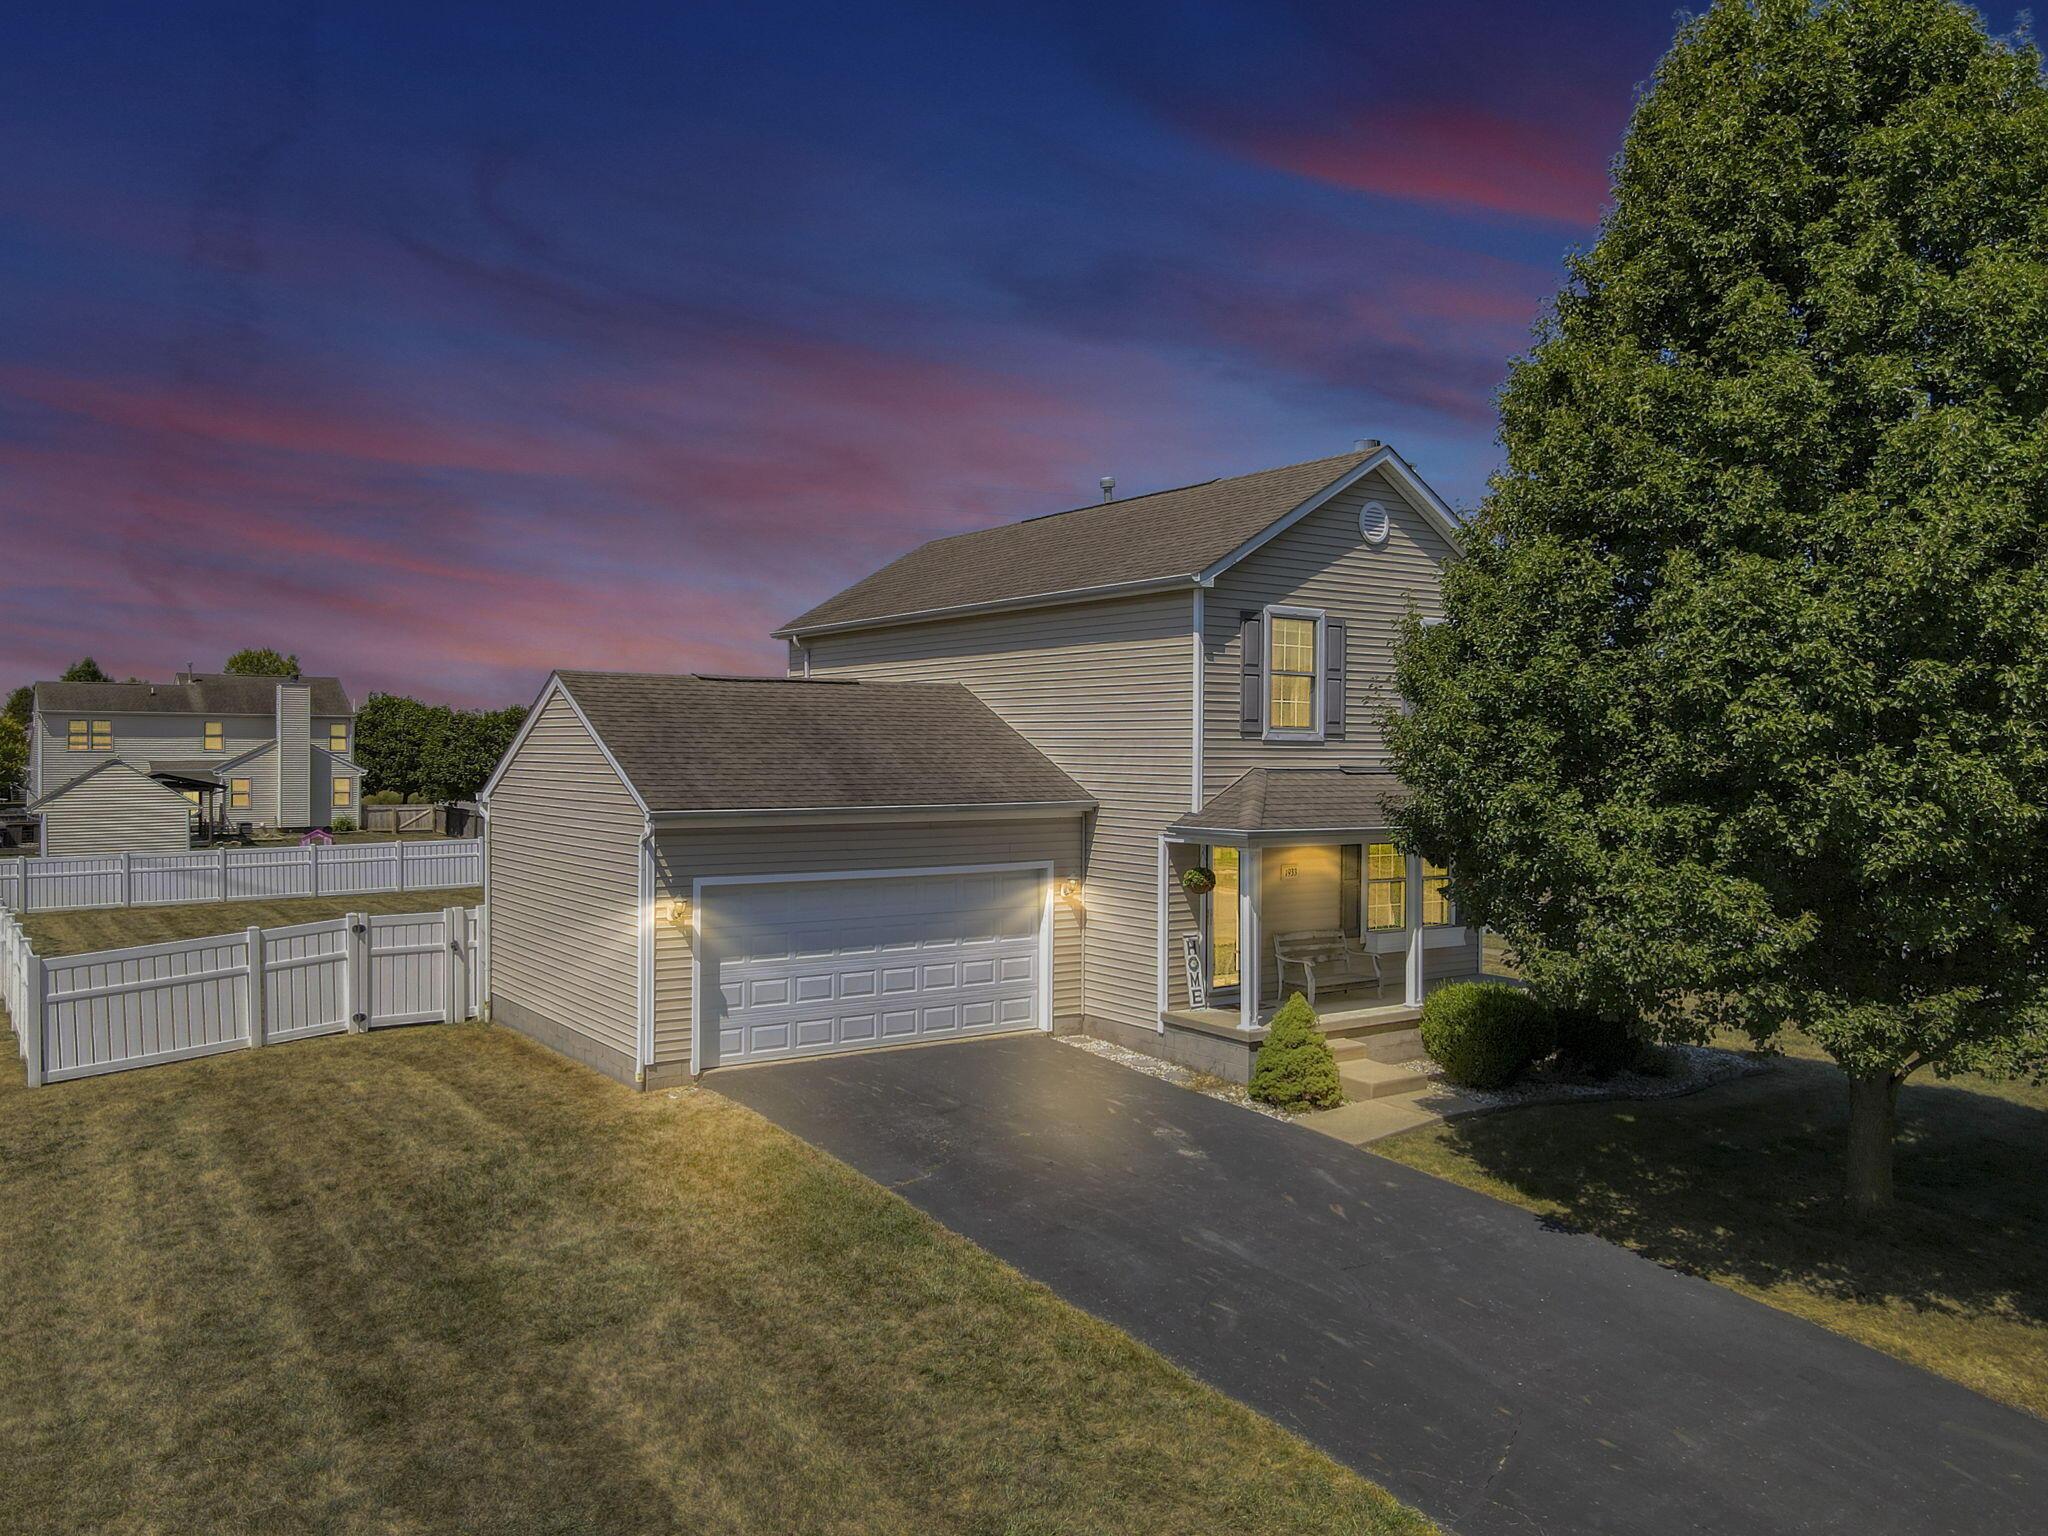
x: 1070, y: 893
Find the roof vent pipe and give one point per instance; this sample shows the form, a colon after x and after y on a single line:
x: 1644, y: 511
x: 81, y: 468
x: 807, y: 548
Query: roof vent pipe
x: 1108, y: 484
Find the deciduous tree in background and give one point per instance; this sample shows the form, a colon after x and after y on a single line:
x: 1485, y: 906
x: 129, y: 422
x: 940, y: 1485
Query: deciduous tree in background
x: 84, y: 670
x: 262, y: 663
x: 430, y: 750
x: 13, y: 758
x: 1739, y: 713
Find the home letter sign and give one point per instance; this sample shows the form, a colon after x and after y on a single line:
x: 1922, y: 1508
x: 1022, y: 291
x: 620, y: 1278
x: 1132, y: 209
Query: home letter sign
x: 1191, y: 952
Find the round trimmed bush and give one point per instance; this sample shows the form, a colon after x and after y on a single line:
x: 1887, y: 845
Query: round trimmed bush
x: 1597, y: 1044
x: 1294, y: 1069
x: 1484, y: 1034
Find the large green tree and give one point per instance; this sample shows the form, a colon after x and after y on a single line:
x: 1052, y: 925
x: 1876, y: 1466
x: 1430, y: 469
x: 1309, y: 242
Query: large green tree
x: 21, y: 705
x: 13, y: 759
x: 1739, y: 712
x: 84, y: 670
x: 430, y: 750
x: 261, y: 662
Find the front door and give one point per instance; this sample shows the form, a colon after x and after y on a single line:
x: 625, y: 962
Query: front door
x: 1223, y: 920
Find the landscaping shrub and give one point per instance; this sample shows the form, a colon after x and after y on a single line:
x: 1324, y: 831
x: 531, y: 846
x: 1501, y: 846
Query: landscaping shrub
x: 383, y: 797
x: 1484, y: 1034
x: 1295, y: 1069
x: 1597, y: 1044
x: 342, y: 824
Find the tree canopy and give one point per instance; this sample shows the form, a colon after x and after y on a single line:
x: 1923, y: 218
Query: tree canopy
x: 430, y: 750
x: 1739, y: 712
x: 262, y: 663
x: 13, y: 758
x: 84, y: 670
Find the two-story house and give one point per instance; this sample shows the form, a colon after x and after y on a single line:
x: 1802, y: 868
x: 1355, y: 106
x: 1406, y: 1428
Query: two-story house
x: 143, y: 766
x: 1113, y: 769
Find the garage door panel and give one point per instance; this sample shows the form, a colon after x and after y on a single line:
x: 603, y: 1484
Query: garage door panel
x: 806, y: 967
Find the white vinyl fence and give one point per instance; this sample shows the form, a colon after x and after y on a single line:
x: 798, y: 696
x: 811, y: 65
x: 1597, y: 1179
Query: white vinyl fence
x: 112, y: 1009
x: 239, y: 874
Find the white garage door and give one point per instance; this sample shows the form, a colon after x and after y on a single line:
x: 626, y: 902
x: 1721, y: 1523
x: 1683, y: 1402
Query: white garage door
x: 811, y: 966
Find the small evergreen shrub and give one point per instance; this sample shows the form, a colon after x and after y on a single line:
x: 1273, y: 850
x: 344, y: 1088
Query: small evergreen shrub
x: 1294, y: 1069
x: 1597, y: 1044
x: 1485, y: 1034
x: 342, y: 824
x: 384, y: 797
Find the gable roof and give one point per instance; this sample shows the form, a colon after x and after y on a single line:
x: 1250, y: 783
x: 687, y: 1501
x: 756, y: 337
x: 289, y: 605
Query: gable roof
x: 711, y: 745
x: 195, y: 693
x: 51, y: 796
x: 1268, y: 800
x: 1167, y: 538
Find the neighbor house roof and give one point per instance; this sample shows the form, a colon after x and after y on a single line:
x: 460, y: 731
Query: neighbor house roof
x: 196, y: 693
x: 109, y: 765
x: 1280, y: 800
x: 698, y: 744
x: 1164, y: 538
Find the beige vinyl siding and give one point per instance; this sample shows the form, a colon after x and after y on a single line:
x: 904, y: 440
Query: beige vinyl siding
x: 682, y: 856
x: 1321, y: 562
x: 294, y: 756
x: 1106, y: 691
x: 116, y: 811
x: 261, y: 772
x: 327, y: 768
x: 141, y: 739
x: 1301, y: 895
x: 564, y: 860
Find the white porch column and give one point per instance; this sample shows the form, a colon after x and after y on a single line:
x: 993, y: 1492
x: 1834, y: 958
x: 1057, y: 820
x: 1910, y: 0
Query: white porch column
x: 1250, y: 870
x: 1413, y: 917
x: 1165, y: 872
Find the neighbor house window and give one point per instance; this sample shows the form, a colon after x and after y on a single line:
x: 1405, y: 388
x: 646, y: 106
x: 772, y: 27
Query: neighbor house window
x: 337, y: 738
x: 103, y: 735
x: 341, y: 789
x: 1437, y: 908
x: 79, y: 740
x: 1291, y: 660
x: 90, y: 736
x: 1386, y: 887
x: 216, y: 738
x: 238, y: 794
x: 192, y: 795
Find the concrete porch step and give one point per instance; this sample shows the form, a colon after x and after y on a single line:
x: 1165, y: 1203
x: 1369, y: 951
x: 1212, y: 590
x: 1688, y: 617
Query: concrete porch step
x: 1402, y: 1042
x: 1364, y: 1078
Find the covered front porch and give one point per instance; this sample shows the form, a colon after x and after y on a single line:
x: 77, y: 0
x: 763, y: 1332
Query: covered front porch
x: 1310, y: 894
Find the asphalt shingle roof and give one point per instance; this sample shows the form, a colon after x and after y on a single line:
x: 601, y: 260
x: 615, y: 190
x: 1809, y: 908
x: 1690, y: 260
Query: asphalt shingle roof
x: 1298, y: 800
x: 696, y: 743
x: 1140, y: 538
x: 208, y: 693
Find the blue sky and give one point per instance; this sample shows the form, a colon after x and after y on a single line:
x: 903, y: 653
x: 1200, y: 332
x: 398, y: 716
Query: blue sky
x: 443, y: 345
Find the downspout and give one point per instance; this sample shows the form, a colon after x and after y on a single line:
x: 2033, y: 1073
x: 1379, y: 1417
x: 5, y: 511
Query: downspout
x: 644, y: 981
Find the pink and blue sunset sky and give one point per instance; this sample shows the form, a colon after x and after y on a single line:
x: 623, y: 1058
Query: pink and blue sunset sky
x: 445, y: 345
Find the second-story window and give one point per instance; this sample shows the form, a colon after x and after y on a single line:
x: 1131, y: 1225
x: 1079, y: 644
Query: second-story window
x: 1292, y: 653
x: 215, y: 738
x: 337, y: 737
x: 90, y: 736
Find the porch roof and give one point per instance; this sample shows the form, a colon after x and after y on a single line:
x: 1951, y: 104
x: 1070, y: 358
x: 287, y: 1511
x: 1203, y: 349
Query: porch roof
x: 1304, y: 801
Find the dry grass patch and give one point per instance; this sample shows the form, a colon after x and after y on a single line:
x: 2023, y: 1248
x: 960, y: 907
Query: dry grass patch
x: 75, y: 933
x: 442, y: 1280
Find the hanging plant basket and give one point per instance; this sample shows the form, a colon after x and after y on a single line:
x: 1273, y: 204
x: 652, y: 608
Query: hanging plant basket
x: 1199, y: 881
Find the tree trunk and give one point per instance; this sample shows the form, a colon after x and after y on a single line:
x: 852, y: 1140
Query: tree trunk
x: 1873, y: 1120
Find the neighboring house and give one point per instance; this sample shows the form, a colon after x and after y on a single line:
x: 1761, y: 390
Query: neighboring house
x: 272, y: 752
x: 1191, y: 678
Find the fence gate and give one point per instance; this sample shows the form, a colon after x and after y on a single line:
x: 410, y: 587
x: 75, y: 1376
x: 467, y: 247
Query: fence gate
x: 410, y: 980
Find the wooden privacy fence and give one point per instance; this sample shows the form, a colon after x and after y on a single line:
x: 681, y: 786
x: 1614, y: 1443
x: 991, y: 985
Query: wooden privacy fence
x: 405, y: 818
x: 113, y: 1009
x: 238, y: 874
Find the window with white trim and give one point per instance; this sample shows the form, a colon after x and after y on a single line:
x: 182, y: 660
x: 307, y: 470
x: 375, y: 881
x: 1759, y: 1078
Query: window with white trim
x: 1438, y: 910
x: 1294, y: 665
x: 215, y: 738
x: 90, y: 736
x: 1386, y: 888
x: 238, y: 794
x: 337, y: 737
x: 344, y: 788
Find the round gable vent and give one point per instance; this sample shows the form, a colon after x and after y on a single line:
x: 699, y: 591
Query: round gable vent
x: 1373, y: 522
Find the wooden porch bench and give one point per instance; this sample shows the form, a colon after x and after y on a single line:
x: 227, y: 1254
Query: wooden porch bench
x: 1323, y: 955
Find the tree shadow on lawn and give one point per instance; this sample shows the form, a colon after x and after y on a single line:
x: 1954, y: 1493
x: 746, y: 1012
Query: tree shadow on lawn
x: 1743, y: 1182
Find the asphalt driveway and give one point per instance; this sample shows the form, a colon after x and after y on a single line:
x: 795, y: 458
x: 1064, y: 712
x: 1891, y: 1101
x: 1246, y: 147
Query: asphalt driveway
x: 1499, y: 1374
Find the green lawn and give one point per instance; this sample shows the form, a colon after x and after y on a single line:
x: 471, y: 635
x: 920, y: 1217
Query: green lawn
x: 1742, y: 1184
x: 440, y: 1279
x: 73, y: 933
